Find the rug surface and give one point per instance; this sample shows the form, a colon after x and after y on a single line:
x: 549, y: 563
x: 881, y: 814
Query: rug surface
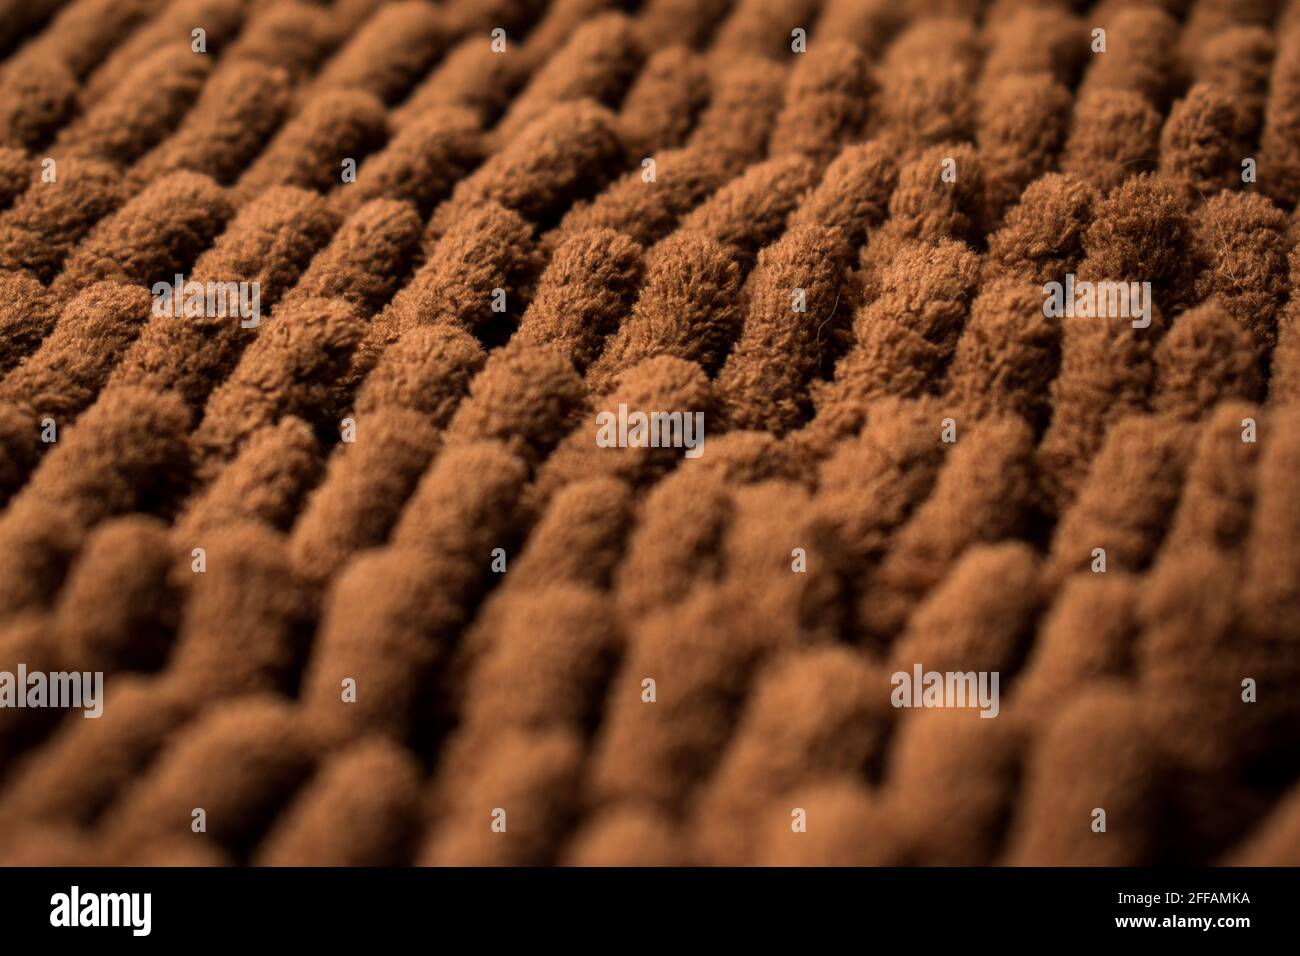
x: 693, y: 432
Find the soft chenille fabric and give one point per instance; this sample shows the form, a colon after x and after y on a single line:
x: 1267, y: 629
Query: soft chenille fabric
x: 366, y: 588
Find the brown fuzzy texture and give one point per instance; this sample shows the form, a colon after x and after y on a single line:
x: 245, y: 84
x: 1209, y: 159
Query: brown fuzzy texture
x: 1143, y: 229
x: 761, y: 27
x: 465, y: 503
x: 427, y: 592
x: 489, y: 248
x: 16, y: 171
x: 410, y: 395
x: 293, y: 35
x: 564, y: 155
x: 390, y: 52
x: 237, y: 762
x: 375, y: 783
x: 310, y: 149
x: 853, y: 195
x: 363, y: 492
x: 771, y: 753
x: 1125, y: 504
x: 43, y: 227
x: 420, y: 164
x: 1035, y: 39
x: 764, y: 383
x: 954, y: 780
x: 120, y: 455
x: 121, y: 605
x: 1113, y: 763
x: 159, y: 232
x: 981, y: 494
x: 1199, y: 141
x: 1190, y: 640
x: 659, y: 383
x: 82, y: 34
x: 528, y: 397
x: 579, y: 538
x: 1085, y: 637
x: 687, y: 308
x: 278, y: 375
x: 1206, y: 358
x: 926, y: 83
x: 1242, y: 240
x: 384, y: 630
x: 1022, y: 127
x: 1217, y: 498
x: 1042, y: 235
x: 928, y: 207
x: 1141, y: 55
x: 906, y: 336
x: 1238, y: 61
x: 236, y: 113
x: 540, y: 664
x: 870, y: 24
x: 235, y: 639
x: 83, y: 766
x: 742, y: 110
x: 428, y: 371
x: 270, y: 241
x: 1115, y: 134
x: 751, y: 211
x: 124, y: 454
x: 646, y: 211
x: 64, y: 375
x: 535, y: 772
x: 690, y: 22
x: 27, y: 316
x: 38, y: 95
x: 1106, y: 374
x: 588, y: 287
x: 665, y: 559
x: 168, y: 27
x: 27, y: 639
x: 1281, y: 133
x: 266, y: 482
x: 471, y: 77
x: 1007, y: 355
x: 627, y: 835
x: 597, y: 63
x: 826, y: 101
x: 869, y: 486
x: 663, y: 104
x: 365, y: 260
x: 141, y: 110
x: 699, y: 680
x: 1272, y: 554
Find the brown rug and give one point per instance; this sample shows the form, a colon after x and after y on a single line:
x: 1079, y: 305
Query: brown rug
x: 687, y: 432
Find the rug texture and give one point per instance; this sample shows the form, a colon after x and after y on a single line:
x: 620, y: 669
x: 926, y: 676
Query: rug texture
x: 702, y: 432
